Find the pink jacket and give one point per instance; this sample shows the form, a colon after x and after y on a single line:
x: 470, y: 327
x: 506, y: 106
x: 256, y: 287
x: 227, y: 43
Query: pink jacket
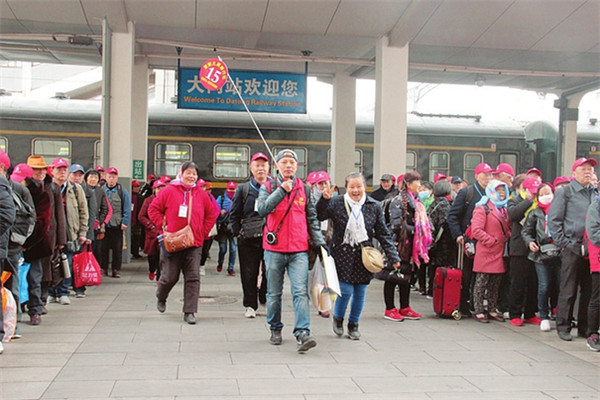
x: 594, y: 253
x: 492, y: 231
x: 167, y: 205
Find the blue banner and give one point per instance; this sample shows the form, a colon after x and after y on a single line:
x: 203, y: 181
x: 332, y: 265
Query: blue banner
x: 261, y: 91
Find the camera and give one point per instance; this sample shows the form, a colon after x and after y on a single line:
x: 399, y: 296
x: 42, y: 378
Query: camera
x: 271, y: 238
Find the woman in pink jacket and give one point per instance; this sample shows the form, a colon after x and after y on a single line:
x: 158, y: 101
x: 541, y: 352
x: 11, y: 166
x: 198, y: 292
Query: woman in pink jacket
x: 170, y: 210
x: 490, y: 225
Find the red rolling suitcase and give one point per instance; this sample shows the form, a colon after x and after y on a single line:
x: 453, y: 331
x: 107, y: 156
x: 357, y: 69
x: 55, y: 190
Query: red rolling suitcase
x: 446, y: 289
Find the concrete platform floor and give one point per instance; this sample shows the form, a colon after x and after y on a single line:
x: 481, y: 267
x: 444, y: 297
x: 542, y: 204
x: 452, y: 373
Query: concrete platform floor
x: 113, y: 344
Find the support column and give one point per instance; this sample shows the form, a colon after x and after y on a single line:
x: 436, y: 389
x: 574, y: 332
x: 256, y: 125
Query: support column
x: 139, y: 116
x: 391, y: 83
x: 343, y: 128
x: 567, y: 131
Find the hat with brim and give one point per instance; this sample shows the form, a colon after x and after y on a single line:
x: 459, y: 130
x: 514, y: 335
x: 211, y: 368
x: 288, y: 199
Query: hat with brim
x: 580, y: 161
x: 36, y: 162
x: 20, y: 172
x: 286, y: 153
x: 483, y: 168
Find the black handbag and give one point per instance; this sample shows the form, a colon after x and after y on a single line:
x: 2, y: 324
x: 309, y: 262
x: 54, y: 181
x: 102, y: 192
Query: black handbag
x: 549, y: 251
x: 252, y: 227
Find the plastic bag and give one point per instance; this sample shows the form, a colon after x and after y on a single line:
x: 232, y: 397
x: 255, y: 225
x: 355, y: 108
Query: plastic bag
x: 333, y: 282
x: 23, y: 284
x: 86, y: 268
x: 9, y: 310
x: 317, y: 282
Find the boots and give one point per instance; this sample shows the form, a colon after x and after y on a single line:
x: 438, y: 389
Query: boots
x: 353, y: 332
x: 338, y: 326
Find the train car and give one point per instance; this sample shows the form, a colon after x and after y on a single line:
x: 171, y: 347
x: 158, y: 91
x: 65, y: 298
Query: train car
x: 222, y: 142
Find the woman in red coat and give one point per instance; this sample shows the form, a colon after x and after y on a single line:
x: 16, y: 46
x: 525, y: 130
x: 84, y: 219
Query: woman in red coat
x: 174, y: 205
x: 490, y: 225
x: 151, y: 247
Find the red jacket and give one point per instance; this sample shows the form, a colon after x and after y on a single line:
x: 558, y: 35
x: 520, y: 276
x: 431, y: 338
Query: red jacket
x: 492, y: 231
x: 167, y: 205
x: 151, y: 231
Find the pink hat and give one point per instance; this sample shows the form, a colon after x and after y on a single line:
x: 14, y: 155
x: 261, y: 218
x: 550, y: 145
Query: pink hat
x: 259, y: 155
x: 135, y: 183
x: 439, y: 176
x: 59, y: 163
x: 560, y: 180
x: 99, y: 168
x: 158, y: 183
x: 112, y: 170
x: 4, y: 159
x: 231, y: 185
x: 532, y: 184
x: 21, y: 172
x: 483, y: 168
x: 322, y: 176
x: 506, y: 168
x: 310, y: 178
x: 393, y: 178
x: 580, y: 161
x: 165, y: 178
x: 534, y: 171
x: 201, y: 182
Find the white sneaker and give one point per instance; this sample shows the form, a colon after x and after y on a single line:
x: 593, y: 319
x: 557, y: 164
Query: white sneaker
x: 51, y: 299
x: 250, y: 313
x: 64, y: 300
x: 545, y: 325
x: 1, y: 347
x: 202, y: 270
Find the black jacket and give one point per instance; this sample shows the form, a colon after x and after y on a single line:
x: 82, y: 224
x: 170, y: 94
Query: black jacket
x: 244, y: 208
x: 516, y: 212
x: 534, y: 231
x: 7, y: 216
x: 461, y: 212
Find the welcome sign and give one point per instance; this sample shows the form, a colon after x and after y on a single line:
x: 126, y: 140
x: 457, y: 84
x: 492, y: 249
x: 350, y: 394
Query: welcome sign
x: 262, y: 92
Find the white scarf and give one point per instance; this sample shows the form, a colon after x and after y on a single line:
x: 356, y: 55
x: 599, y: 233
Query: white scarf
x: 356, y: 232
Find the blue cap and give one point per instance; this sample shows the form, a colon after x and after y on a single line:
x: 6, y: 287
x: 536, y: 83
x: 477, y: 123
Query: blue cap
x: 75, y: 168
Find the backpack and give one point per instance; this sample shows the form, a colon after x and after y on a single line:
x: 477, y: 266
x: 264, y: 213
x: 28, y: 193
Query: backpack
x: 24, y: 220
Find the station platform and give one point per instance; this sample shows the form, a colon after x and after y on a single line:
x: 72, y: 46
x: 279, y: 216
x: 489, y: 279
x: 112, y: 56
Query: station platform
x: 114, y: 344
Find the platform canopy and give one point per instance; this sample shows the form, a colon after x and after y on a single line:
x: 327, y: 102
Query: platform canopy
x: 543, y: 45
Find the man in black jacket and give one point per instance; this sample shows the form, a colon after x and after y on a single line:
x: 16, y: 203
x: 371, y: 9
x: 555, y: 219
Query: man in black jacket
x: 247, y: 227
x: 386, y: 188
x: 459, y: 218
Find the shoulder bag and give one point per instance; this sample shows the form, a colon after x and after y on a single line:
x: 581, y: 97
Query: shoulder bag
x: 371, y: 258
x: 183, y: 238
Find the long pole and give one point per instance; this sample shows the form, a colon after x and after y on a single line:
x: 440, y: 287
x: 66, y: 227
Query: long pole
x: 106, y: 82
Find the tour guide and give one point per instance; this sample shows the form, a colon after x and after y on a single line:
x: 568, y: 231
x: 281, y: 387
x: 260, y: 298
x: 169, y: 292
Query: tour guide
x: 291, y: 220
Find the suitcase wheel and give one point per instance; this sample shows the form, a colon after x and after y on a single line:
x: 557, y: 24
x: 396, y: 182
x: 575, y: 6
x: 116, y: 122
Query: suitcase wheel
x: 456, y: 315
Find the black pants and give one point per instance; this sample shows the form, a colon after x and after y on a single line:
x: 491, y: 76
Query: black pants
x: 574, y: 273
x: 172, y: 265
x: 251, y: 261
x: 389, y: 289
x: 112, y: 241
x: 153, y: 264
x: 465, y: 290
x: 522, y: 298
x: 205, y: 250
x: 136, y: 240
x: 594, y: 307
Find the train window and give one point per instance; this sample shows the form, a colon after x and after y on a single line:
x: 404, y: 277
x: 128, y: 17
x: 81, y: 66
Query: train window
x: 231, y: 162
x: 439, y: 162
x: 97, y: 152
x: 169, y: 156
x: 411, y: 161
x: 509, y: 158
x: 301, y: 152
x: 52, y: 148
x: 470, y: 162
x: 358, y: 160
x: 3, y: 144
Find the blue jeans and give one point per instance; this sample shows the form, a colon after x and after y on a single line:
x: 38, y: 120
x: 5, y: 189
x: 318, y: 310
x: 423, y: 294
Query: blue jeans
x: 232, y: 252
x: 547, y: 275
x: 297, y: 269
x: 358, y: 293
x: 62, y: 289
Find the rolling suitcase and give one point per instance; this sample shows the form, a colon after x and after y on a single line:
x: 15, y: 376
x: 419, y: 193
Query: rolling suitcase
x: 446, y: 289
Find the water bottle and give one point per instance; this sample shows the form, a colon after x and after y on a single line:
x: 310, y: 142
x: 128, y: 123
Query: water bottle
x: 64, y: 262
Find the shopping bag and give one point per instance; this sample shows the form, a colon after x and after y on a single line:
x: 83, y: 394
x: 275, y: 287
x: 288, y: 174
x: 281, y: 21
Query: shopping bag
x: 317, y: 283
x: 86, y: 269
x: 23, y: 285
x: 333, y: 283
x: 9, y: 309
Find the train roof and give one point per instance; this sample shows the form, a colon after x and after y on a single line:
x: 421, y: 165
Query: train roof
x: 169, y: 114
x: 586, y: 131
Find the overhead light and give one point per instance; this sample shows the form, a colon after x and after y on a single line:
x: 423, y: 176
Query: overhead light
x: 80, y: 40
x: 480, y: 80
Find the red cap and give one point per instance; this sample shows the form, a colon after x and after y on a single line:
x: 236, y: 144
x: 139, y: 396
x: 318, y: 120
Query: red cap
x: 165, y: 178
x: 560, y: 180
x: 438, y: 177
x: 135, y: 183
x: 21, y: 172
x: 532, y: 184
x: 208, y: 185
x: 4, y: 159
x: 150, y: 178
x: 112, y: 170
x: 158, y: 183
x: 201, y: 182
x: 231, y: 185
x: 506, y: 168
x: 59, y: 163
x: 400, y: 178
x: 534, y: 171
x: 310, y: 178
x: 99, y: 168
x: 483, y: 168
x: 259, y: 155
x: 322, y: 176
x: 580, y: 161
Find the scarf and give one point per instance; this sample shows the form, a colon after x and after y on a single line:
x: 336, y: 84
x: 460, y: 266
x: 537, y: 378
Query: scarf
x: 356, y: 232
x: 179, y: 182
x: 492, y: 195
x: 533, y: 205
x: 229, y: 194
x: 422, y: 238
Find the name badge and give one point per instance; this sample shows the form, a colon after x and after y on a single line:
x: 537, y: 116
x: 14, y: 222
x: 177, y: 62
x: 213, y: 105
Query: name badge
x: 183, y: 209
x: 256, y: 206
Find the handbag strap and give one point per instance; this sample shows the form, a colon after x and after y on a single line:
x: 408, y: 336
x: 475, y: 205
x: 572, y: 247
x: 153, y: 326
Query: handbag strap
x: 286, y: 212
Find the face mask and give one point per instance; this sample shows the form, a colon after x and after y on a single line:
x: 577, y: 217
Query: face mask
x: 424, y: 194
x: 546, y: 199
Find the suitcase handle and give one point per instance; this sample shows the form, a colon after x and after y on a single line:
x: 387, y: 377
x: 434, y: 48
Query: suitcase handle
x: 461, y: 255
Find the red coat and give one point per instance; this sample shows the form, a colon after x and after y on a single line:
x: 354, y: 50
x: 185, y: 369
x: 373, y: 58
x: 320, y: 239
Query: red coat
x: 151, y: 231
x: 492, y: 231
x: 167, y: 205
